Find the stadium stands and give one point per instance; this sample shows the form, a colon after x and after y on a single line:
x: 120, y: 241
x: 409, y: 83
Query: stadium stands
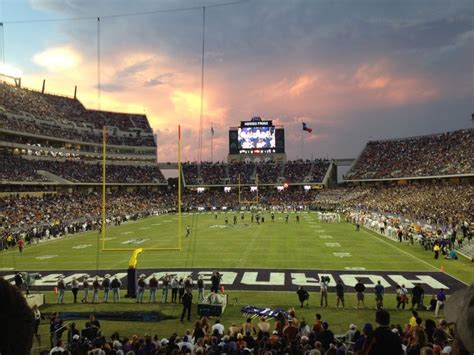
x: 60, y: 117
x: 269, y: 173
x: 19, y: 169
x: 443, y: 154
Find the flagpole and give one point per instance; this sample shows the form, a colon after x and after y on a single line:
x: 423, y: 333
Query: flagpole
x: 302, y: 144
x: 212, y: 139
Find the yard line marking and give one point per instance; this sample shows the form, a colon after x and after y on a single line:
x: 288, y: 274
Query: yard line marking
x: 407, y: 253
x: 342, y: 255
x: 332, y: 245
x: 44, y: 257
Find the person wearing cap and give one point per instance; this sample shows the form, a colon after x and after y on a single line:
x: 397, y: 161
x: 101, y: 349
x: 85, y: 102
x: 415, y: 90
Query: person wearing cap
x: 349, y: 336
x: 153, y: 285
x: 290, y: 331
x: 95, y: 290
x: 141, y: 288
x: 74, y: 288
x: 115, y: 285
x: 106, y: 287
x: 85, y: 287
x: 61, y: 287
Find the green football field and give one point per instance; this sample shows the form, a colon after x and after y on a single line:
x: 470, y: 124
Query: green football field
x: 309, y: 244
x: 269, y: 246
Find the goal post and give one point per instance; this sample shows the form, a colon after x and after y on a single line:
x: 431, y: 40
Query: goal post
x: 102, y: 234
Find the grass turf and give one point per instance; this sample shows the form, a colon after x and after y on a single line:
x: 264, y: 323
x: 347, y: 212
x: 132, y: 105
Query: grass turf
x: 279, y: 245
x: 276, y: 245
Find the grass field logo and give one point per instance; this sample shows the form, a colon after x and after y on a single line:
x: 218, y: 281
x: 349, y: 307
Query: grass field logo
x: 135, y: 241
x: 45, y: 257
x: 342, y: 255
x: 82, y: 246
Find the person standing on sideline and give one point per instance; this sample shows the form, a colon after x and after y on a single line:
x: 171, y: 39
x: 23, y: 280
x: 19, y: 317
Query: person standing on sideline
x: 38, y: 317
x: 106, y: 287
x: 153, y: 284
x: 436, y: 250
x: 402, y: 297
x: 174, y: 289
x: 235, y: 219
x: 297, y: 218
x: 85, y: 287
x: 323, y: 284
x: 74, y: 288
x: 340, y: 294
x: 21, y: 245
x: 164, y: 293
x: 61, y: 287
x: 200, y: 286
x: 141, y: 288
x: 215, y: 281
x: 379, y: 292
x: 187, y: 301
x: 303, y: 295
x: 95, y: 290
x: 417, y: 296
x: 115, y: 285
x: 360, y: 288
x: 440, y: 300
x: 273, y: 216
x: 286, y: 218
x: 188, y: 231
x: 180, y: 289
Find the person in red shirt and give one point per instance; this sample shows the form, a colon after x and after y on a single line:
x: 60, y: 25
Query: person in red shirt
x: 290, y: 331
x: 21, y: 245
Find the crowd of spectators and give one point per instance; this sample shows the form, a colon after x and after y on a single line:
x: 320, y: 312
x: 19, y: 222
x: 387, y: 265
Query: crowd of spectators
x: 70, y: 132
x: 266, y: 172
x: 280, y: 335
x: 15, y: 168
x: 59, y: 214
x: 58, y: 116
x: 437, y: 204
x: 52, y: 215
x: 442, y: 154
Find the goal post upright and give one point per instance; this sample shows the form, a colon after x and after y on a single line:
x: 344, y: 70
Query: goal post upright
x: 179, y: 187
x: 104, y: 137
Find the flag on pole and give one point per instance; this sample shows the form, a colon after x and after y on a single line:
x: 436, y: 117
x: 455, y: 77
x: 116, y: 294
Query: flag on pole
x: 306, y: 128
x: 212, y: 131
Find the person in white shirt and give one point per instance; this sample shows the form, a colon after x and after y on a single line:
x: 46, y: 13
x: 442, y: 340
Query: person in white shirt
x: 219, y: 327
x: 58, y: 348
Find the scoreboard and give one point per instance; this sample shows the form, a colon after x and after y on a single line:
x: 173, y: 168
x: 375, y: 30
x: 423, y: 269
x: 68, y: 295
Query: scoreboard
x: 256, y: 137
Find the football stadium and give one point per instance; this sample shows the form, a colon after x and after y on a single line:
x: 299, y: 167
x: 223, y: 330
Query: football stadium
x: 131, y: 227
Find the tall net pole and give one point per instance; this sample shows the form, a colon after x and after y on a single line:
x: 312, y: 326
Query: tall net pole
x: 104, y: 138
x: 179, y: 187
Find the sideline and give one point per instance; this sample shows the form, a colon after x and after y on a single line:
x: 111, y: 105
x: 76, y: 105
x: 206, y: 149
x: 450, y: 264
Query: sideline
x: 378, y: 237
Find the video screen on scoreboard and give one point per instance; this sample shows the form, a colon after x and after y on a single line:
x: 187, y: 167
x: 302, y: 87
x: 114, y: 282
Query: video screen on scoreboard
x: 256, y: 137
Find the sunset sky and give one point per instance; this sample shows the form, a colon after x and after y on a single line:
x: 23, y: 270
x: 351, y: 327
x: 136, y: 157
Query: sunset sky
x: 352, y: 70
